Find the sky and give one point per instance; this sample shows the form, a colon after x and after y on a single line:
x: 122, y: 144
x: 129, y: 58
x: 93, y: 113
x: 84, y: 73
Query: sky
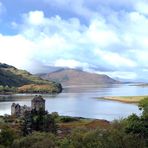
x: 108, y: 37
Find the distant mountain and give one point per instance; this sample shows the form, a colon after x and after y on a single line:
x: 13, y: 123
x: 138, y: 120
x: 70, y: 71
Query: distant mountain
x: 13, y: 77
x: 78, y: 77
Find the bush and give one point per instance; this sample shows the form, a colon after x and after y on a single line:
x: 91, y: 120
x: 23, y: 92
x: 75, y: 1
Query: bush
x: 36, y: 140
x: 7, y: 136
x: 143, y: 105
x: 68, y: 119
x: 139, y: 124
x: 38, y: 121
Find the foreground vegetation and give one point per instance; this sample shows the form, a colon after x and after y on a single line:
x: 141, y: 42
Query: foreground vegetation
x: 126, y: 99
x: 43, y: 130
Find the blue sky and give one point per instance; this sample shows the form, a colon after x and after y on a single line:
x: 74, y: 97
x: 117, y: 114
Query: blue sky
x: 109, y: 36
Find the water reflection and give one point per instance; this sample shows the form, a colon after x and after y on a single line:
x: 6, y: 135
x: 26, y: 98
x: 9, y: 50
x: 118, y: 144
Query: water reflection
x: 81, y: 101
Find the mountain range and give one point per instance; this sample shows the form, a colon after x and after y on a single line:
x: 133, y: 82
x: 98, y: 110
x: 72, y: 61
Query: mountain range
x: 67, y: 77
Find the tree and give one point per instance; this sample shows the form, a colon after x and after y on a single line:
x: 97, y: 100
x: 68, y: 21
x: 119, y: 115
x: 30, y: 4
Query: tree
x: 38, y: 121
x: 138, y: 125
x: 26, y: 124
x: 143, y: 105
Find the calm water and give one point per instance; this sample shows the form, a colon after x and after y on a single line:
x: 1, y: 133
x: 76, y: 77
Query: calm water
x: 83, y: 102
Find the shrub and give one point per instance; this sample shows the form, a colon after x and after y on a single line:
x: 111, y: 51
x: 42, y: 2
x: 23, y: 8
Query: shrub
x: 68, y: 119
x: 36, y: 140
x: 7, y: 136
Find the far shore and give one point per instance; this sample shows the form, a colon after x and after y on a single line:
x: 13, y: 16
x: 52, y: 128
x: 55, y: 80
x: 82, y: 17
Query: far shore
x: 124, y: 99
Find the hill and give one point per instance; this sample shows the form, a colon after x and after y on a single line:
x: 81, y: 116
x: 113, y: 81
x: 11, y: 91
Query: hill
x: 13, y: 77
x: 78, y: 77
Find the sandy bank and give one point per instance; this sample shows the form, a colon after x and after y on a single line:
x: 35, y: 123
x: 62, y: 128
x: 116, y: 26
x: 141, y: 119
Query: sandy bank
x: 125, y: 99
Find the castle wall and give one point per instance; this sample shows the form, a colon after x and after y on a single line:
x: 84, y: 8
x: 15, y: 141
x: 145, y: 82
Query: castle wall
x: 12, y: 110
x: 15, y: 109
x: 37, y: 103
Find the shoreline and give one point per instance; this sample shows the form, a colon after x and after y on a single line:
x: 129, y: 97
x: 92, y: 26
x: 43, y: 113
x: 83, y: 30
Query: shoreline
x: 124, y: 99
x: 69, y: 122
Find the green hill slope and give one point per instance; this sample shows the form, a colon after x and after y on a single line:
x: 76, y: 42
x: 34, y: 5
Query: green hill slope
x: 13, y: 77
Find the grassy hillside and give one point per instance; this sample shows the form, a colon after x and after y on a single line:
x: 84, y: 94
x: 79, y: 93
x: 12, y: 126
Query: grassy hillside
x: 13, y: 77
x: 78, y: 77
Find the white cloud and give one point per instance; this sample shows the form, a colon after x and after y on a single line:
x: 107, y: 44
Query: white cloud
x: 15, y: 50
x: 142, y: 7
x: 101, y: 33
x: 70, y: 63
x: 35, y: 17
x: 115, y: 59
x: 118, y: 41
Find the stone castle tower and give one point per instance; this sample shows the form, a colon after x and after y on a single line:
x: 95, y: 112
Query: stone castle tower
x: 38, y: 103
x: 15, y: 109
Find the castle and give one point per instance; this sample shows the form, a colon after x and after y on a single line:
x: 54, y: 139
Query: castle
x: 37, y: 103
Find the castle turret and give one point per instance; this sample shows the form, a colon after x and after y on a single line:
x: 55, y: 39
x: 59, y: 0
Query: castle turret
x: 38, y: 103
x: 15, y: 109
